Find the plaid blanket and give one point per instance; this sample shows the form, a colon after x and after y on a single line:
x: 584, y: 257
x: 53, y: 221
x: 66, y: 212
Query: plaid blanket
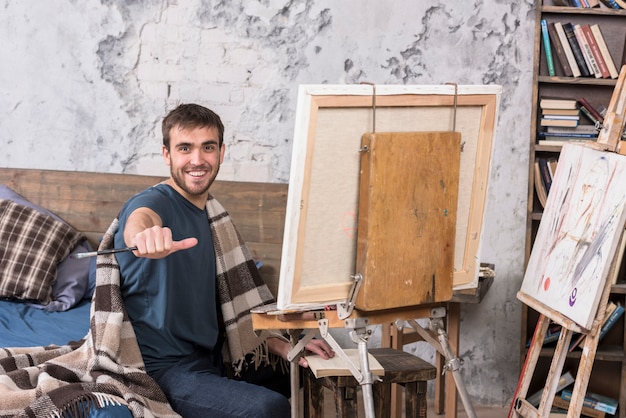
x: 106, y: 366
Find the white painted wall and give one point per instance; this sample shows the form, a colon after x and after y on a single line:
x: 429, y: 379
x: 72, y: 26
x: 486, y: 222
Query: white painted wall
x: 85, y: 84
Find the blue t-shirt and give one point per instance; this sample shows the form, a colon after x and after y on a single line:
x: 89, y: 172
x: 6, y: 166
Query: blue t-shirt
x: 172, y: 301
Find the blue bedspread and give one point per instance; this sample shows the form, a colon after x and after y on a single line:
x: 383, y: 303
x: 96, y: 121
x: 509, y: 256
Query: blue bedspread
x: 22, y: 325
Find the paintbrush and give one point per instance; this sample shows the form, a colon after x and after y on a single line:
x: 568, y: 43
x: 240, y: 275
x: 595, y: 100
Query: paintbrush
x: 102, y: 252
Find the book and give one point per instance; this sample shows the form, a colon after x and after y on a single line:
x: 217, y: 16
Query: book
x: 586, y: 50
x: 546, y: 177
x: 592, y: 110
x: 547, y: 48
x: 558, y: 122
x: 595, y: 50
x: 336, y: 366
x: 577, y: 129
x: 567, y: 49
x: 549, y: 103
x: 568, y: 135
x: 564, y: 112
x: 559, y: 402
x: 597, y: 33
x: 613, y: 312
x: 579, y: 338
x: 612, y: 4
x: 561, y: 117
x: 595, y: 401
x: 589, y: 115
x: 542, y: 195
x: 576, y: 50
x: 565, y: 380
x: 557, y: 47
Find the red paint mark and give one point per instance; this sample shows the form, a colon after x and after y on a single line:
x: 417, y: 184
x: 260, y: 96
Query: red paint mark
x: 546, y: 284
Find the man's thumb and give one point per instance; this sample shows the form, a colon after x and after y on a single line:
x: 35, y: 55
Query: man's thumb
x: 184, y: 244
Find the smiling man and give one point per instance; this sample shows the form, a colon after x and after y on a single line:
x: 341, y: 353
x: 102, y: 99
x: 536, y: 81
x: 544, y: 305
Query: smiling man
x: 170, y: 285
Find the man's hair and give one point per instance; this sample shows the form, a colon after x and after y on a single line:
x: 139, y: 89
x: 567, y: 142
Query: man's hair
x: 191, y: 116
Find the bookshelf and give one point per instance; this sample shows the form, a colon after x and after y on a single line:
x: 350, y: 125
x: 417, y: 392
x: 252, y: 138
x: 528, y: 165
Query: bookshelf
x: 609, y: 371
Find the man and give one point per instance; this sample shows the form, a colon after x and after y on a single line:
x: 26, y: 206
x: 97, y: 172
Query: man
x: 170, y: 284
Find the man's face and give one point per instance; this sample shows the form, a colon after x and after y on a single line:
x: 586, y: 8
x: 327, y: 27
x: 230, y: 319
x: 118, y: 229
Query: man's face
x: 194, y: 159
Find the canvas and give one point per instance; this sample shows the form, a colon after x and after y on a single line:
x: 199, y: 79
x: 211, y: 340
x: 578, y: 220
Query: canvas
x: 319, y: 245
x: 578, y: 235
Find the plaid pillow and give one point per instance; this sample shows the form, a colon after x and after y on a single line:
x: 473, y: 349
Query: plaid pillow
x: 31, y: 246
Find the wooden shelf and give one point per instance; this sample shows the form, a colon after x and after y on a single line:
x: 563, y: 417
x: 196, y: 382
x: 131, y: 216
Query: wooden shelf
x: 609, y: 369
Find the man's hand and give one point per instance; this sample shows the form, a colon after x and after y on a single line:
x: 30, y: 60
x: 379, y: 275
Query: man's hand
x: 145, y: 231
x: 156, y: 242
x: 321, y: 347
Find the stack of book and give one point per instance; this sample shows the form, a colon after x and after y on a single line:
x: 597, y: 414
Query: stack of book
x: 559, y: 112
x: 579, y: 48
x: 557, y: 134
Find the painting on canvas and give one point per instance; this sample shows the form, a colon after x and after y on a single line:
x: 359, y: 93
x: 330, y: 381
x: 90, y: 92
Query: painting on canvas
x: 578, y: 234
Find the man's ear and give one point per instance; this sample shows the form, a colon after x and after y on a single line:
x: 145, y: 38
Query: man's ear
x: 222, y: 152
x: 166, y: 155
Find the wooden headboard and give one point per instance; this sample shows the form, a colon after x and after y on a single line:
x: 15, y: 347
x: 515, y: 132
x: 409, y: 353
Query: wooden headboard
x: 90, y: 201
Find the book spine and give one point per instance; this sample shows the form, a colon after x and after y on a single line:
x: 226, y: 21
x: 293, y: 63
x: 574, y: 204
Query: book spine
x: 567, y: 135
x: 567, y: 49
x: 547, y: 181
x: 582, y: 102
x: 597, y: 33
x: 595, y: 50
x: 547, y: 48
x: 591, y: 403
x: 611, y: 4
x: 588, y: 114
x: 586, y: 411
x: 559, y: 51
x: 608, y: 324
x: 586, y: 50
x: 578, y: 53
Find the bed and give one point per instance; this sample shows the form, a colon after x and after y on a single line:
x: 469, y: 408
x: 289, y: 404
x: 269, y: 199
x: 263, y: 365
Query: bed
x: 87, y: 203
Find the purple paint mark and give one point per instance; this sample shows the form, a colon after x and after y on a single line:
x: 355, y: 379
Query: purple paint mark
x: 572, y: 297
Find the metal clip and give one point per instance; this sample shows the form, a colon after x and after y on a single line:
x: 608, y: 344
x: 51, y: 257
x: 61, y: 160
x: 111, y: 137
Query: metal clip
x: 344, y: 310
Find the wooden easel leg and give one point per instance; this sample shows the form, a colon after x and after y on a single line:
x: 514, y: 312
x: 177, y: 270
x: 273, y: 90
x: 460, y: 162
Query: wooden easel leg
x: 529, y: 364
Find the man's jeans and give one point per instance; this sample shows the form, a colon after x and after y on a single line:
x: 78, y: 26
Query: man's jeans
x: 196, y: 386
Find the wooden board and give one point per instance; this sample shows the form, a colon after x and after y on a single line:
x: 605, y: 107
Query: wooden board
x: 407, y: 218
x: 319, y: 248
x: 578, y: 235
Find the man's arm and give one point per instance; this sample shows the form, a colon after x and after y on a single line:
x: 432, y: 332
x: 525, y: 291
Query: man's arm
x: 144, y: 230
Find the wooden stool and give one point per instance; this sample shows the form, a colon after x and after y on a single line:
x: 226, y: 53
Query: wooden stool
x: 403, y: 368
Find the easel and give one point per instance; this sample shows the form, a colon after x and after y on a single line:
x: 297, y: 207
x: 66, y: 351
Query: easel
x: 312, y: 322
x: 609, y: 140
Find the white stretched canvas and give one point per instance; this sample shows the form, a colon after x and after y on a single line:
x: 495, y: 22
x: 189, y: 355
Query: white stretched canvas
x: 578, y: 235
x: 319, y: 245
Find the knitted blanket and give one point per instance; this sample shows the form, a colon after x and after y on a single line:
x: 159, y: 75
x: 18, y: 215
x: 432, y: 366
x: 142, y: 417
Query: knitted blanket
x: 106, y: 366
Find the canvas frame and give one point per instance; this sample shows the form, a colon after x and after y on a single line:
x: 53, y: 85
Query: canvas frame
x: 318, y: 264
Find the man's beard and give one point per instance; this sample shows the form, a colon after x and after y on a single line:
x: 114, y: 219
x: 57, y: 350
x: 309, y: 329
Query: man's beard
x: 181, y: 183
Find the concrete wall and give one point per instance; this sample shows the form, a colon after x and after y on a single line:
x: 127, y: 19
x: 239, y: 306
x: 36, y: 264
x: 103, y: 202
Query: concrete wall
x: 85, y: 85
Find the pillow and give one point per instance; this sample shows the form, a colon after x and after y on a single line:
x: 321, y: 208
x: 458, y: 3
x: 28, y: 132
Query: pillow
x: 31, y: 246
x: 71, y: 283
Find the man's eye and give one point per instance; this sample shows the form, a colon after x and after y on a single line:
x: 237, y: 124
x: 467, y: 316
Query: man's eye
x: 184, y: 149
x: 210, y: 148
